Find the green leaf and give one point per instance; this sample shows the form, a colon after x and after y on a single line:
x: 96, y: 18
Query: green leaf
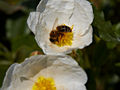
x: 117, y: 64
x: 4, y: 62
x: 111, y: 45
x: 5, y: 55
x: 104, y: 28
x: 17, y: 27
x: 24, y: 41
x: 117, y: 30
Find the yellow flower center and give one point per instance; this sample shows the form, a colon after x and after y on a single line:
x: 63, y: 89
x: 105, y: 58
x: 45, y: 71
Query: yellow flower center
x: 43, y: 83
x: 62, y: 36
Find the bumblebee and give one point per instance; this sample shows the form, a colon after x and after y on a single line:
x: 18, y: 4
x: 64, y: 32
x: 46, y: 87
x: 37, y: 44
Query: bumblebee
x: 58, y: 35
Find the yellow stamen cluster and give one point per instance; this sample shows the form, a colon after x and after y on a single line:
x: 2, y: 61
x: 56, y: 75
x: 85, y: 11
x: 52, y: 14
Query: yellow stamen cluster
x: 43, y: 83
x: 65, y: 39
x: 62, y: 36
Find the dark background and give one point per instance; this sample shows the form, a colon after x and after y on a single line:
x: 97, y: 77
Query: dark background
x: 101, y: 60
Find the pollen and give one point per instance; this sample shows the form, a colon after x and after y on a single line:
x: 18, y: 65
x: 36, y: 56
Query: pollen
x: 62, y: 36
x: 43, y: 83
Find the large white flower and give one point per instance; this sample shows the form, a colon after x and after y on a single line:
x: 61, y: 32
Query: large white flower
x: 44, y: 72
x: 62, y: 25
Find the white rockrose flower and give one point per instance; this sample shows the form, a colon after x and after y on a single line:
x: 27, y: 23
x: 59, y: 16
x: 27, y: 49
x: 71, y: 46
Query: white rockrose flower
x: 62, y: 25
x: 45, y: 72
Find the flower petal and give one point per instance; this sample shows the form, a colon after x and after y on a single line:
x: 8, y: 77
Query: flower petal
x: 42, y: 5
x: 8, y: 79
x: 33, y: 21
x: 84, y: 40
x: 87, y: 7
x: 63, y: 69
x: 82, y: 16
x: 64, y: 73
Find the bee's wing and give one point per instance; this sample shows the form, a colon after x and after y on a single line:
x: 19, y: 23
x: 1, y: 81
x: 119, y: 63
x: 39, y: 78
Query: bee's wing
x: 55, y: 24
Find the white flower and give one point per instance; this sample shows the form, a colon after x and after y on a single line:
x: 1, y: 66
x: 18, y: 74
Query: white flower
x: 62, y: 25
x: 45, y: 72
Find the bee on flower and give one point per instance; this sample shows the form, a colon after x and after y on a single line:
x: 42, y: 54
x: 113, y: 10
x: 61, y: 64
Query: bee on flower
x: 45, y: 72
x: 60, y: 26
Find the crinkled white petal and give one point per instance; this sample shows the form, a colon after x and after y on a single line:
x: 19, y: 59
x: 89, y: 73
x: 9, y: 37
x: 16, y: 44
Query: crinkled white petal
x: 55, y: 5
x: 51, y: 13
x: 63, y: 74
x: 86, y: 6
x: 63, y: 69
x: 33, y: 20
x: 82, y: 40
x: 82, y: 16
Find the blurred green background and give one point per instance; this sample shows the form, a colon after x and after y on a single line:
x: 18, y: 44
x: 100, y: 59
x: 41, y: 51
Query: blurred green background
x: 101, y: 60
